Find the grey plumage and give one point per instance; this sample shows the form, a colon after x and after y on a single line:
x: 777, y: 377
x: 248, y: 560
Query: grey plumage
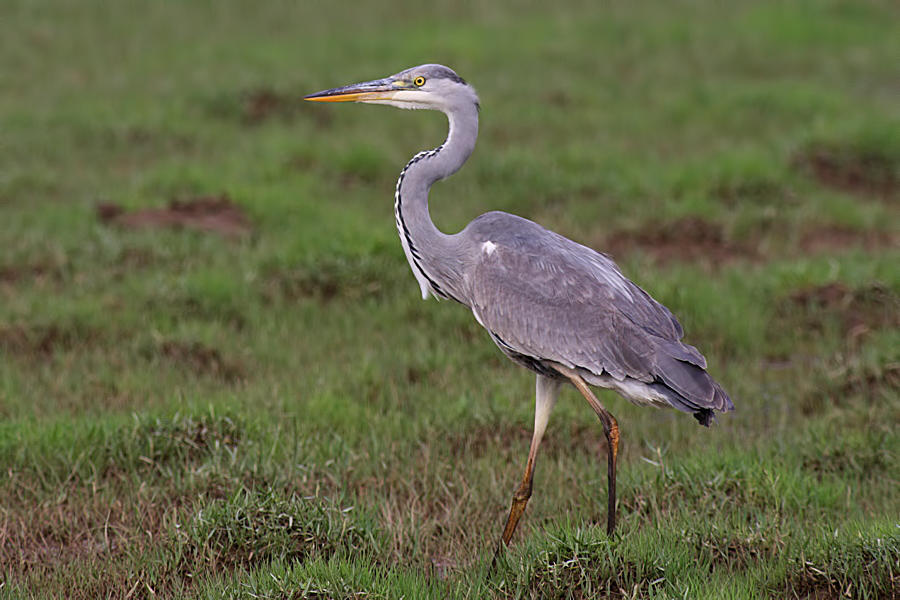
x: 546, y: 298
x: 556, y: 307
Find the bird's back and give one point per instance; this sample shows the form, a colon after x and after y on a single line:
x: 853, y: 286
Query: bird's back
x: 545, y: 299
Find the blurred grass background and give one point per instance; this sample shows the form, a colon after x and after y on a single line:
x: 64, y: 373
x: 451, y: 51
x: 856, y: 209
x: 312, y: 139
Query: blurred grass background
x: 277, y: 413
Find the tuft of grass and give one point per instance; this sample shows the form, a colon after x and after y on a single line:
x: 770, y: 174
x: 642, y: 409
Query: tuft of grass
x: 864, y: 563
x: 148, y: 446
x: 330, y: 277
x: 260, y: 526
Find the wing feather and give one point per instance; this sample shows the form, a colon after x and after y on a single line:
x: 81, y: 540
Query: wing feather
x: 550, y: 299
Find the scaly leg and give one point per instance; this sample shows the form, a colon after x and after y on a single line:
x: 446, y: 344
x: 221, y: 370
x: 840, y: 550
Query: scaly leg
x: 610, y: 429
x: 546, y: 394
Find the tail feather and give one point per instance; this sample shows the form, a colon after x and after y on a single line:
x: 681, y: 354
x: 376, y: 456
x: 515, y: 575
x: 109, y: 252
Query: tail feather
x: 689, y: 388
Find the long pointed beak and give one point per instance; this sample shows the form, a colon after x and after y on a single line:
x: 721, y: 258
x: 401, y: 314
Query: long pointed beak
x: 379, y: 89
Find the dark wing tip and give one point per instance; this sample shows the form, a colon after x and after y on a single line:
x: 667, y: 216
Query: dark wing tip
x: 705, y: 416
x: 721, y: 402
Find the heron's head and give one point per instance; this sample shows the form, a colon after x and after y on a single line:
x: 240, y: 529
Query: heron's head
x: 427, y: 86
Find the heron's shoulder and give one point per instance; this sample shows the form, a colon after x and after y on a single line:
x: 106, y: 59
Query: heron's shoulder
x: 519, y: 237
x: 514, y: 233
x: 500, y: 225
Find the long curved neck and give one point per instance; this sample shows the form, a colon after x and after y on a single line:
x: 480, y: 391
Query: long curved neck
x: 436, y: 258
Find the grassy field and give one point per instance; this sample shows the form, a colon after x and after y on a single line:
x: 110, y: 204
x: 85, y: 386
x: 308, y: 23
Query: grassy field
x: 255, y: 402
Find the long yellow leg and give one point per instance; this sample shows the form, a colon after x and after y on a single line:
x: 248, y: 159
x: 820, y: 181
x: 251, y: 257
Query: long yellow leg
x: 611, y: 430
x: 546, y: 394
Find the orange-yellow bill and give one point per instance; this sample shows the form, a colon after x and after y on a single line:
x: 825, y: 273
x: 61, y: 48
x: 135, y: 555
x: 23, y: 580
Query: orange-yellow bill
x: 358, y: 92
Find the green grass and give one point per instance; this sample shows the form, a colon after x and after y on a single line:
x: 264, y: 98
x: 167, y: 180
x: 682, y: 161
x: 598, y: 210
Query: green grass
x: 279, y: 414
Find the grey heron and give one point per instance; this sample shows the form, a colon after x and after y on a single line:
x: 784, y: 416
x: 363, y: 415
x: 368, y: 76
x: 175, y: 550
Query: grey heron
x: 555, y: 307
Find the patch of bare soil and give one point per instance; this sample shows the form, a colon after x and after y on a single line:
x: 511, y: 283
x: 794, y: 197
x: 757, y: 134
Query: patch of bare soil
x: 859, y: 310
x: 813, y: 586
x: 690, y: 239
x: 216, y: 214
x: 32, y: 273
x: 201, y: 360
x: 836, y: 237
x: 41, y: 342
x: 862, y: 172
x: 780, y: 240
x: 78, y: 527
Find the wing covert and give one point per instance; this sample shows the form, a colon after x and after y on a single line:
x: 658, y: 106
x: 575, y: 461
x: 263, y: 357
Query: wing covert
x: 549, y: 298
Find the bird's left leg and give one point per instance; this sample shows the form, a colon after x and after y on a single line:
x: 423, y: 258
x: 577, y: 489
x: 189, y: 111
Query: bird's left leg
x: 546, y: 394
x: 610, y: 429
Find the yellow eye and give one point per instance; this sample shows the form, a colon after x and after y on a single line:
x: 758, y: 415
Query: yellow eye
x: 419, y: 81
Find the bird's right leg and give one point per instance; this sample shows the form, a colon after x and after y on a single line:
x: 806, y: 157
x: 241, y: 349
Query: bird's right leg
x: 546, y: 394
x: 611, y: 430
